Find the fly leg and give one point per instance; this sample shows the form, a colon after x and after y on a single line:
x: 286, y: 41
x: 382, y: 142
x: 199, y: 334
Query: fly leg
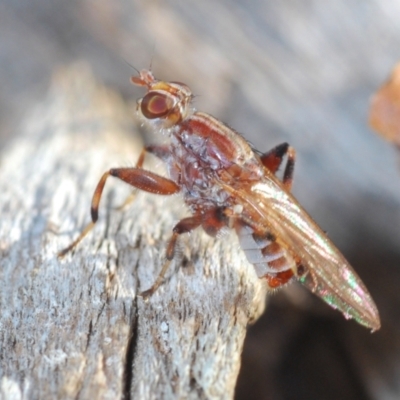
x: 289, y: 169
x: 137, y: 177
x: 183, y: 226
x: 273, y: 160
x: 160, y: 152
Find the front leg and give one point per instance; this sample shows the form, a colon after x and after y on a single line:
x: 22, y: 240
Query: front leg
x: 137, y: 177
x: 161, y: 152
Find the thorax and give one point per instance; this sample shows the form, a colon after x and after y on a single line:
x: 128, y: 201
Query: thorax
x: 204, y: 153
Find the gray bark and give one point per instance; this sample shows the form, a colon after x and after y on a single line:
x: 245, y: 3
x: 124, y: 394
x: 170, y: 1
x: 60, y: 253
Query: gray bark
x: 75, y: 328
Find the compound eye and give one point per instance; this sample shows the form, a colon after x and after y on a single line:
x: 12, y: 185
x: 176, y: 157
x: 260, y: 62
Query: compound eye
x: 156, y: 105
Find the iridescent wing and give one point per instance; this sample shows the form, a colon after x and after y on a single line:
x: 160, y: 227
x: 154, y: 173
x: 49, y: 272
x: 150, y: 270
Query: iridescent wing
x: 329, y: 276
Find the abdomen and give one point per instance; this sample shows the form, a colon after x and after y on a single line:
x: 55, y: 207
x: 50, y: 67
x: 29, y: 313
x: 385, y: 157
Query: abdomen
x: 270, y: 260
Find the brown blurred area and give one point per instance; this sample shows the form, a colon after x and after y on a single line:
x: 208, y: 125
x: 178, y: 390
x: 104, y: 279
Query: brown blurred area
x: 276, y: 71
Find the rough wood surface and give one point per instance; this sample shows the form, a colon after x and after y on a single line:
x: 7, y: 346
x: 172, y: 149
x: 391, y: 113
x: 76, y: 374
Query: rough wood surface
x: 75, y: 328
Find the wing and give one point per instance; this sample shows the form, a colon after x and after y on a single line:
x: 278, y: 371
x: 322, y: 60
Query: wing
x: 330, y: 276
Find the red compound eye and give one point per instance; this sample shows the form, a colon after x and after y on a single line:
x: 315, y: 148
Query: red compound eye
x: 156, y: 105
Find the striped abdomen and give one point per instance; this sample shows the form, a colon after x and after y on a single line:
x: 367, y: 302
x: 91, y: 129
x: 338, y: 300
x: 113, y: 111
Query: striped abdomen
x: 270, y: 260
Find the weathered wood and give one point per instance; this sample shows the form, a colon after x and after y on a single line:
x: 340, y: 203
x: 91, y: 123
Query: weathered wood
x: 75, y: 328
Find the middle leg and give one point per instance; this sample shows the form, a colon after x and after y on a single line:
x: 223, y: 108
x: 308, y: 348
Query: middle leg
x: 183, y: 226
x: 212, y: 221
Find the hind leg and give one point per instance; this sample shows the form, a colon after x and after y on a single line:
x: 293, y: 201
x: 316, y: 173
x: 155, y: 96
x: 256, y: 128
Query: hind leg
x: 273, y: 160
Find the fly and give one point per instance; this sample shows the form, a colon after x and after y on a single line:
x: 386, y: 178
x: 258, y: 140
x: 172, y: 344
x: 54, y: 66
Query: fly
x: 226, y: 184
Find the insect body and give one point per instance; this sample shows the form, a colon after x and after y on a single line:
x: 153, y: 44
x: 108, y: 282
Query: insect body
x: 226, y: 184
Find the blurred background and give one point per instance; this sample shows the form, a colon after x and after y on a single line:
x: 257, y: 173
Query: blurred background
x: 297, y: 71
